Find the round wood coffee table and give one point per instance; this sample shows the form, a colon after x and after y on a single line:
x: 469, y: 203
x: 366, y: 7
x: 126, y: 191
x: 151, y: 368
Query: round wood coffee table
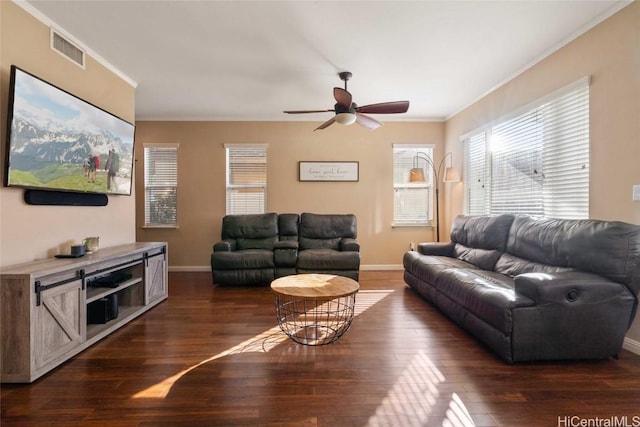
x: 314, y: 309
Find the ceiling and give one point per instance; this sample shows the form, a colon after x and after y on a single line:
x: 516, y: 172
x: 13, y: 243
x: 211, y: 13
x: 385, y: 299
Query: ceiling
x: 250, y: 60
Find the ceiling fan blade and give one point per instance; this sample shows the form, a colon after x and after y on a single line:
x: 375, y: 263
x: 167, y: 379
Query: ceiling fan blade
x: 342, y: 97
x: 368, y: 122
x: 326, y: 124
x: 306, y: 111
x: 385, y: 108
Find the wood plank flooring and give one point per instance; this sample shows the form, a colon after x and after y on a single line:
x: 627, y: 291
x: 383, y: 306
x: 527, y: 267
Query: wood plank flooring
x: 213, y: 356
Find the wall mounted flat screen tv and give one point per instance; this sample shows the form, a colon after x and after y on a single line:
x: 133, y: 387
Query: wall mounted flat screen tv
x: 57, y: 141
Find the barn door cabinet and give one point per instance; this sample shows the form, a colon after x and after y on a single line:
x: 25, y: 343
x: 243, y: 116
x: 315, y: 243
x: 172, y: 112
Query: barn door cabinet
x: 53, y: 309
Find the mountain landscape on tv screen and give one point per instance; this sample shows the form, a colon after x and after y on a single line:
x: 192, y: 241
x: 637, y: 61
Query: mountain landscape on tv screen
x: 58, y: 159
x: 56, y: 138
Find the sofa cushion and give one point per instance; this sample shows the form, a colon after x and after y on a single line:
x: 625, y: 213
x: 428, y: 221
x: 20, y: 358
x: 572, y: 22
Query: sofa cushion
x: 513, y: 266
x: 482, y: 232
x: 483, y: 258
x: 325, y: 231
x: 288, y: 226
x: 488, y: 295
x: 247, y: 259
x: 414, y: 259
x: 579, y: 244
x: 328, y: 259
x: 437, y: 248
x: 306, y: 243
x: 259, y: 231
x: 266, y: 243
x: 427, y: 267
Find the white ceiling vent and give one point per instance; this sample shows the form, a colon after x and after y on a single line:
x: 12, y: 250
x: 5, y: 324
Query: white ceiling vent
x: 67, y: 48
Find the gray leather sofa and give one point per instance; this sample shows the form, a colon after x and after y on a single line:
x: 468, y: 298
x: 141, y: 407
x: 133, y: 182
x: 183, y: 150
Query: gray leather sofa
x: 256, y: 249
x: 534, y: 288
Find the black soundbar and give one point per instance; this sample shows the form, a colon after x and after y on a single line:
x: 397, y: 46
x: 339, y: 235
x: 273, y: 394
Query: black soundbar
x: 64, y: 198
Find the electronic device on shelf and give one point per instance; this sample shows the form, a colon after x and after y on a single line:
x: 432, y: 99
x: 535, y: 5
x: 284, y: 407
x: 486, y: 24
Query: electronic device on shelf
x: 103, y: 310
x: 112, y: 280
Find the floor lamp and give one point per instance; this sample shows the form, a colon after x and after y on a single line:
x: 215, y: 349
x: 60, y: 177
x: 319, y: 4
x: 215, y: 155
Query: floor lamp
x: 450, y: 175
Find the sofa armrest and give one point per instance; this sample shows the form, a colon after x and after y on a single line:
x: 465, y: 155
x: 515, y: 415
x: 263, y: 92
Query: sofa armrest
x: 349, y: 244
x: 571, y: 287
x: 224, y: 246
x: 436, y: 249
x: 286, y: 244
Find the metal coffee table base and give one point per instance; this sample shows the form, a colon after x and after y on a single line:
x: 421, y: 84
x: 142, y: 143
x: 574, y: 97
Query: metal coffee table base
x: 312, y: 321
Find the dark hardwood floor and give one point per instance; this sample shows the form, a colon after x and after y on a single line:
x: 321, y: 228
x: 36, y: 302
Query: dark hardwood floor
x: 213, y: 356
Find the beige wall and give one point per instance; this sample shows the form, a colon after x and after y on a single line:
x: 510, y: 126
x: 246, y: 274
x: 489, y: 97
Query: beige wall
x: 34, y: 232
x: 201, y: 180
x: 610, y: 54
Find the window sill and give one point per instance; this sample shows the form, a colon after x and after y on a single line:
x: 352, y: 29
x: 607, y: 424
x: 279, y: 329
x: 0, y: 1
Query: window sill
x: 156, y: 226
x: 413, y: 224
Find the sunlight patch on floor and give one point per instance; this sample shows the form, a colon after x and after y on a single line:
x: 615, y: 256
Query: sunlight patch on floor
x: 414, y: 398
x: 261, y: 343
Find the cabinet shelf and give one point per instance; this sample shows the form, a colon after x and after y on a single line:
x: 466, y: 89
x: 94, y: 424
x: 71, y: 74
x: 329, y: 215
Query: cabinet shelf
x: 95, y: 293
x: 125, y: 314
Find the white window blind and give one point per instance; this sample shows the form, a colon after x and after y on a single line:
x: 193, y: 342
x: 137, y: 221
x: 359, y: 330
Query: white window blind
x: 566, y: 155
x: 246, y: 179
x: 475, y: 175
x: 535, y: 162
x: 516, y: 165
x: 413, y: 201
x: 161, y: 185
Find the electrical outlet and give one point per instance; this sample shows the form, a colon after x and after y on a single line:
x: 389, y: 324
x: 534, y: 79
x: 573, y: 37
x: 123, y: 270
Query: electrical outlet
x: 636, y: 193
x: 412, y: 246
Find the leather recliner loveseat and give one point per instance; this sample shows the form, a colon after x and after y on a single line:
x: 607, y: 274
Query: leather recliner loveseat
x: 534, y: 288
x: 256, y: 249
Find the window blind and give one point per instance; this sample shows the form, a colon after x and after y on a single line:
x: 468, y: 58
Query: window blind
x: 475, y: 176
x: 413, y: 201
x: 161, y: 185
x: 535, y: 162
x: 246, y: 179
x: 516, y: 166
x: 566, y: 155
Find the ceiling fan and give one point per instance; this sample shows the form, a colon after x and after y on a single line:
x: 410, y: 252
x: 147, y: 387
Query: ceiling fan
x: 348, y: 112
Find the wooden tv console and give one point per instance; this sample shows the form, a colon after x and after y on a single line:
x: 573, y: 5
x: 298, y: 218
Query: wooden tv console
x: 44, y: 304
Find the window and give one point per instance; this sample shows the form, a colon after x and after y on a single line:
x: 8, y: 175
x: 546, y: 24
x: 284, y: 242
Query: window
x: 161, y: 185
x: 413, y: 201
x: 246, y: 179
x: 536, y: 161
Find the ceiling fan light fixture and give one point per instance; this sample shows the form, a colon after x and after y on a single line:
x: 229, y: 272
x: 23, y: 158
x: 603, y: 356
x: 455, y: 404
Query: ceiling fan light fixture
x: 348, y: 112
x: 345, y: 118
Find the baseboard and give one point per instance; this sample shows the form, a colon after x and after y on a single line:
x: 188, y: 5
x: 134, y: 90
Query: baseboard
x: 631, y: 345
x: 189, y: 268
x: 368, y: 267
x: 380, y: 267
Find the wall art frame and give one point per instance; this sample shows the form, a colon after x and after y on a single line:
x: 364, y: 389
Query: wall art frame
x: 338, y: 171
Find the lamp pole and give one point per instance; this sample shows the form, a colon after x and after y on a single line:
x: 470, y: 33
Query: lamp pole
x: 437, y: 173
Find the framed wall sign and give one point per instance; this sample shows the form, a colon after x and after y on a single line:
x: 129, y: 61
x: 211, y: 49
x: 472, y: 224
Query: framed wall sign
x: 328, y: 171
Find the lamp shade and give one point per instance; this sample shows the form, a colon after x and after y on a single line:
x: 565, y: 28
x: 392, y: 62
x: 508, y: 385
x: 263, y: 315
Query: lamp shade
x: 451, y: 175
x: 416, y: 175
x: 345, y: 118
